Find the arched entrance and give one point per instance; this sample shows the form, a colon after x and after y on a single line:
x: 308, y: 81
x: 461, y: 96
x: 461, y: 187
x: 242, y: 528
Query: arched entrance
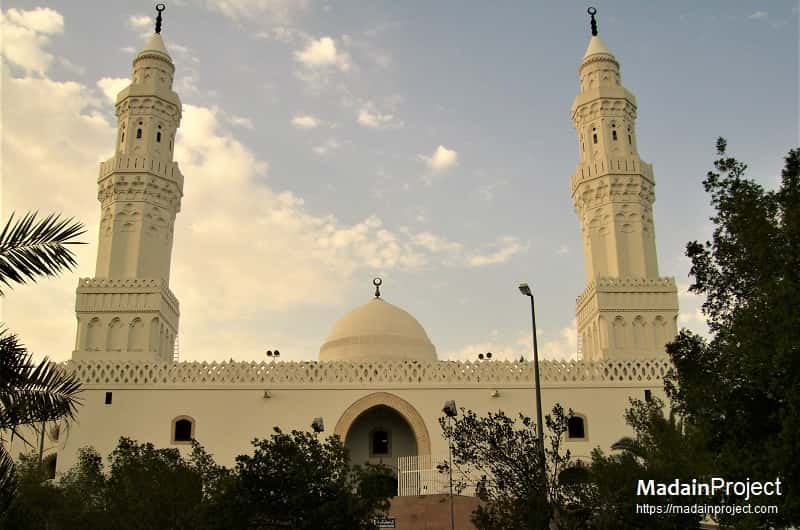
x: 381, y: 427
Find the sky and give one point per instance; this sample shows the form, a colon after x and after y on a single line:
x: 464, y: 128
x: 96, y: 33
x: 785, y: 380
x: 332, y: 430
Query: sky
x: 428, y: 143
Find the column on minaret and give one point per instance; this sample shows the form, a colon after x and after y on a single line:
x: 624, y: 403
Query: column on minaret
x: 127, y: 310
x: 627, y: 310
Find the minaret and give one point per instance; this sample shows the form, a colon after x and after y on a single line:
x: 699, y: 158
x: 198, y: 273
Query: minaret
x: 127, y: 310
x: 627, y: 311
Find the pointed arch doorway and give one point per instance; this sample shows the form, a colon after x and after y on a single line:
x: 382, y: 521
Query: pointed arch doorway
x: 381, y: 427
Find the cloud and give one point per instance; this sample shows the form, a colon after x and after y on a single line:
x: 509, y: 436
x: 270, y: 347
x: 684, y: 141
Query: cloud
x: 508, y: 247
x: 758, y: 15
x: 111, y: 86
x: 441, y: 160
x: 140, y: 22
x: 560, y: 345
x: 563, y: 346
x: 305, y: 121
x: 252, y: 250
x: 322, y: 53
x: 562, y: 250
x: 241, y: 121
x: 257, y: 11
x: 40, y: 19
x: 371, y: 118
x: 25, y: 36
x: 328, y: 146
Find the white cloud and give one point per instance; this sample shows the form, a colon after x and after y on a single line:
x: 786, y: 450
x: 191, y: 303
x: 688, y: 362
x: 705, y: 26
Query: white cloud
x: 241, y: 121
x: 40, y: 19
x: 25, y: 34
x: 305, y: 121
x: 486, y: 191
x: 562, y: 250
x: 368, y: 116
x: 508, y: 248
x: 322, y: 53
x: 140, y: 22
x: 230, y: 235
x: 111, y: 86
x: 328, y: 146
x: 257, y: 11
x: 758, y: 15
x: 564, y: 346
x: 442, y: 159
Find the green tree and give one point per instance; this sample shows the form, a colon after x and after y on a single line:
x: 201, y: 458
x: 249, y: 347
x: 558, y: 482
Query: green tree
x: 742, y: 386
x: 297, y: 481
x: 662, y: 449
x: 498, y: 456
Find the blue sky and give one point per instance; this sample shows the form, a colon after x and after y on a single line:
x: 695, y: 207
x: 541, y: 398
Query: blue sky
x: 429, y: 143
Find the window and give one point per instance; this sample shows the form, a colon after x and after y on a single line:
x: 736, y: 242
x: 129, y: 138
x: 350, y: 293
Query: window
x: 614, y: 135
x: 380, y: 443
x: 108, y: 398
x: 138, y: 133
x: 122, y: 138
x: 182, y: 429
x: 594, y: 138
x: 576, y: 428
x: 158, y: 136
x: 648, y: 395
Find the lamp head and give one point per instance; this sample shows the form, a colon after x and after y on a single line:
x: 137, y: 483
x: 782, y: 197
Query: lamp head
x: 318, y: 425
x: 525, y: 289
x: 450, y: 409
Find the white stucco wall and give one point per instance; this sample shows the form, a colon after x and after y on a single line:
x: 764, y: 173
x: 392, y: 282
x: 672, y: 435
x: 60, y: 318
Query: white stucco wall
x: 230, y: 415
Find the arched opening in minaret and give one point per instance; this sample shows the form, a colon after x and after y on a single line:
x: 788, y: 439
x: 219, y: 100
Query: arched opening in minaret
x: 380, y: 435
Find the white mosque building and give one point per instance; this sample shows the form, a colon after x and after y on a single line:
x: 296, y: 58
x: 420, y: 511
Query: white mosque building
x: 378, y: 383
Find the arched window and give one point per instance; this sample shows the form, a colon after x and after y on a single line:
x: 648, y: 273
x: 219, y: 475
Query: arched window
x: 138, y: 133
x: 122, y: 137
x: 380, y: 442
x: 594, y: 135
x: 158, y: 134
x: 182, y: 430
x: 576, y: 428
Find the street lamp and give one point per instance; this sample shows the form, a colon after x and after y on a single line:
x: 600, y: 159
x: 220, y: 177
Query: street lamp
x: 318, y: 425
x: 451, y: 412
x: 526, y: 290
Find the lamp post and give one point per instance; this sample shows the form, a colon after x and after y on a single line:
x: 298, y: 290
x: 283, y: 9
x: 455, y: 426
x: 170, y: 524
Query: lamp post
x: 318, y: 425
x: 450, y: 411
x: 526, y: 290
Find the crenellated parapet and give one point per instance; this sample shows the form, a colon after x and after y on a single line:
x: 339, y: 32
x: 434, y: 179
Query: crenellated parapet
x: 371, y: 374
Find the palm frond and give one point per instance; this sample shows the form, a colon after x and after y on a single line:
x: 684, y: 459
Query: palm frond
x: 33, y: 393
x: 7, y: 475
x: 629, y: 445
x: 31, y: 248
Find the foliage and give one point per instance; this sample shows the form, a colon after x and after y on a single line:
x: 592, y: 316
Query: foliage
x: 663, y: 448
x: 741, y: 386
x: 295, y: 480
x: 30, y: 393
x: 31, y: 248
x: 290, y: 481
x: 499, y: 456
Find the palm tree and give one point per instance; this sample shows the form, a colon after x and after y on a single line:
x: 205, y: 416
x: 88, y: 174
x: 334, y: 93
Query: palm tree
x: 29, y: 248
x: 32, y: 393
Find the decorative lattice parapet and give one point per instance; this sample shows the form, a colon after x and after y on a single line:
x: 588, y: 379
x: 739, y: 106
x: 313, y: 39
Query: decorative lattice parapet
x: 380, y: 374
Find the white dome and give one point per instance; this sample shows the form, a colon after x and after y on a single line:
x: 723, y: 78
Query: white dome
x: 375, y: 331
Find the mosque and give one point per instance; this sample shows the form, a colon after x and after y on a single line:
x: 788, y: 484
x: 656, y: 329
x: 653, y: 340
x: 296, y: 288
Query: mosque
x: 378, y: 383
